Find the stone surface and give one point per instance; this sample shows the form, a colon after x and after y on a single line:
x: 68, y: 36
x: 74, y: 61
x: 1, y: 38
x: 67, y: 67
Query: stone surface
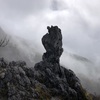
x: 47, y: 80
x: 60, y: 82
x: 52, y: 42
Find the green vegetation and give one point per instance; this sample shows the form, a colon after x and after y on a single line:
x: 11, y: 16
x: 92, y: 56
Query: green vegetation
x: 43, y: 93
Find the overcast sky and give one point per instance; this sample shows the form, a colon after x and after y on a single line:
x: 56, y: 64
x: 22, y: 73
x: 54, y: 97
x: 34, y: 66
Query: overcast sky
x: 79, y: 21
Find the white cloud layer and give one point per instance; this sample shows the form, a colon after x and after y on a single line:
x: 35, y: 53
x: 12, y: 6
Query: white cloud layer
x: 78, y: 19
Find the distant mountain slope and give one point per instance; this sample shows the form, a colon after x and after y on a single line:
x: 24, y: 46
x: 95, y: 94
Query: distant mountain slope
x: 18, y: 49
x: 77, y: 63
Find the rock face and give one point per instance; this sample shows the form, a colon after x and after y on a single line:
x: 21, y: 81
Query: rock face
x: 14, y: 83
x: 60, y: 82
x: 52, y: 42
x: 47, y: 80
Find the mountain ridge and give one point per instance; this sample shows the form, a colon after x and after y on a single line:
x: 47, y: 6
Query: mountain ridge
x: 12, y: 52
x: 47, y: 80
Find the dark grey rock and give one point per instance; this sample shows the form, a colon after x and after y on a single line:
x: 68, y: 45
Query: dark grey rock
x: 47, y: 80
x: 59, y: 81
x: 52, y: 42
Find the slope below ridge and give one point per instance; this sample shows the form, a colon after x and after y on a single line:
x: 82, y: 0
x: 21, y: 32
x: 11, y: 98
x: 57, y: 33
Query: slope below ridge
x: 77, y: 63
x: 2, y: 33
x: 86, y: 70
x: 18, y: 49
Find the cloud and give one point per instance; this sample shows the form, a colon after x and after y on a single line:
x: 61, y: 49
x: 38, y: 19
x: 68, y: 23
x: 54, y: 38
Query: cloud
x: 79, y: 21
x: 58, y: 5
x: 23, y: 7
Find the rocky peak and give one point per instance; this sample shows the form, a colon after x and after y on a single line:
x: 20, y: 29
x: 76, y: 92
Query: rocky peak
x: 52, y: 42
x: 59, y: 81
x: 47, y: 80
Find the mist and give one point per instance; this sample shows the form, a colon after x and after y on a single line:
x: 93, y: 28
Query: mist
x: 80, y: 25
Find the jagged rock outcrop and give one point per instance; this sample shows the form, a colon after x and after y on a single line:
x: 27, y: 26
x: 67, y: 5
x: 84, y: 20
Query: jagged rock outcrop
x: 60, y: 82
x: 47, y: 80
x: 14, y: 83
x: 52, y: 42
